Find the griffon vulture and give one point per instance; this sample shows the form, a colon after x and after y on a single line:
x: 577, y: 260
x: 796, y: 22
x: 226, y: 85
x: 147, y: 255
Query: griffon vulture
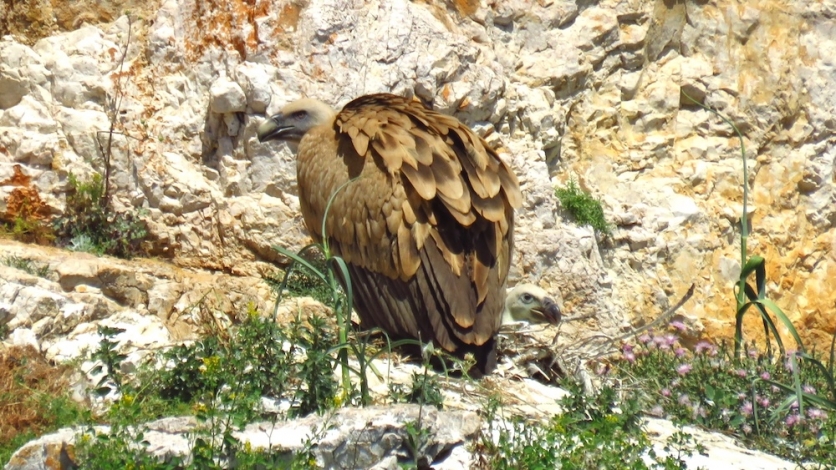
x: 422, y: 213
x: 529, y: 303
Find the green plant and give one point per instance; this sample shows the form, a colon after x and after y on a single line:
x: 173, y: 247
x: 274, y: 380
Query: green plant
x: 88, y: 223
x: 745, y: 295
x: 35, y: 399
x: 27, y: 265
x: 792, y: 407
x: 593, y: 432
x: 320, y: 389
x: 299, y: 281
x: 111, y: 361
x: 28, y: 230
x: 335, y: 275
x: 221, y: 379
x: 744, y: 397
x: 124, y: 445
x: 584, y: 208
x: 424, y: 390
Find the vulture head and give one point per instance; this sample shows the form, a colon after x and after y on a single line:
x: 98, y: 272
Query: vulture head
x: 527, y: 302
x: 294, y: 120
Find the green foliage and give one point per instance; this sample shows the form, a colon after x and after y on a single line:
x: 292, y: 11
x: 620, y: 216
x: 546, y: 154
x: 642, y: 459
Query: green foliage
x: 746, y: 397
x: 27, y: 229
x: 88, y: 223
x: 111, y: 360
x: 299, y: 281
x: 124, y: 446
x: 425, y: 390
x: 320, y: 389
x: 221, y: 379
x: 340, y: 301
x: 35, y: 398
x: 27, y: 265
x: 184, y: 380
x: 804, y: 383
x: 593, y: 432
x: 584, y: 208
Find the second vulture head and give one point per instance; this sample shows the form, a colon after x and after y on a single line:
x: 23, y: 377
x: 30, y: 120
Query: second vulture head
x: 529, y: 303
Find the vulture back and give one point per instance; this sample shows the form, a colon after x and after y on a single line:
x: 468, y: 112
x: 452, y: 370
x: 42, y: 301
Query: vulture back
x: 424, y: 218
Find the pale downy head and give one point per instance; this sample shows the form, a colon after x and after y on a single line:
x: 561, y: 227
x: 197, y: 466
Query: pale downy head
x: 294, y: 120
x: 529, y: 303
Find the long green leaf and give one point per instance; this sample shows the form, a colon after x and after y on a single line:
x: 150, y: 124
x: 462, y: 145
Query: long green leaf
x: 751, y: 265
x: 299, y: 259
x: 342, y: 269
x: 760, y: 278
x: 762, y: 305
x: 831, y: 383
x: 817, y: 400
x: 785, y: 320
x: 327, y: 211
x: 738, y: 329
x: 796, y: 380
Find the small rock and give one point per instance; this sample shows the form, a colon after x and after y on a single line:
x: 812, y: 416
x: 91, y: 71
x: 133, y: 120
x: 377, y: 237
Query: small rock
x: 227, y: 97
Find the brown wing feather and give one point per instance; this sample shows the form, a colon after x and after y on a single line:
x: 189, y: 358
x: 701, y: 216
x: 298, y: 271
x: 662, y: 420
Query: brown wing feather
x: 427, y: 225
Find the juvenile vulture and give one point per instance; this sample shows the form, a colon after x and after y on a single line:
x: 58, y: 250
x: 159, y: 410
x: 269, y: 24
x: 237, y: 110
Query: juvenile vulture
x: 422, y: 213
x: 529, y: 303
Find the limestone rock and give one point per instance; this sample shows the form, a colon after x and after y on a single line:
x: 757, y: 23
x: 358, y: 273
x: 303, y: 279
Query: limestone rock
x: 227, y: 97
x: 368, y: 437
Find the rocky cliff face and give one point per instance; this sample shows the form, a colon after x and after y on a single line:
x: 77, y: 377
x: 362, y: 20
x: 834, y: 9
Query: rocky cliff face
x: 568, y: 89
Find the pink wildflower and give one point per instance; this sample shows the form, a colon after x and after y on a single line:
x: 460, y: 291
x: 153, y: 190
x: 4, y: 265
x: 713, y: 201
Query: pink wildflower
x: 702, y: 346
x: 791, y: 359
x: 683, y: 369
x: 816, y: 413
x: 747, y: 408
x: 628, y: 353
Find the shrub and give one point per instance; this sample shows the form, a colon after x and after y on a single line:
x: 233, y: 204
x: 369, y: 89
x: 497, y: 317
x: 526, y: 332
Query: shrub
x: 34, y: 397
x: 89, y: 225
x: 584, y: 208
x: 593, y: 432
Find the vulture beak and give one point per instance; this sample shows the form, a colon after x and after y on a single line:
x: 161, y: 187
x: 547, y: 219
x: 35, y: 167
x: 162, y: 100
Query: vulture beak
x: 278, y: 128
x: 551, y: 311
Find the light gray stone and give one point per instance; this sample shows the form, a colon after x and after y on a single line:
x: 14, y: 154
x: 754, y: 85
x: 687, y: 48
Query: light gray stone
x: 227, y: 97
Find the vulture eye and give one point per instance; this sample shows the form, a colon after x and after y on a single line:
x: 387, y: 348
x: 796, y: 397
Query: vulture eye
x: 299, y: 115
x: 527, y: 298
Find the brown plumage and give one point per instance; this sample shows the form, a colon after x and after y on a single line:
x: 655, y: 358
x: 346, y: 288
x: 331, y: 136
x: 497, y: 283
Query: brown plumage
x: 425, y: 219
